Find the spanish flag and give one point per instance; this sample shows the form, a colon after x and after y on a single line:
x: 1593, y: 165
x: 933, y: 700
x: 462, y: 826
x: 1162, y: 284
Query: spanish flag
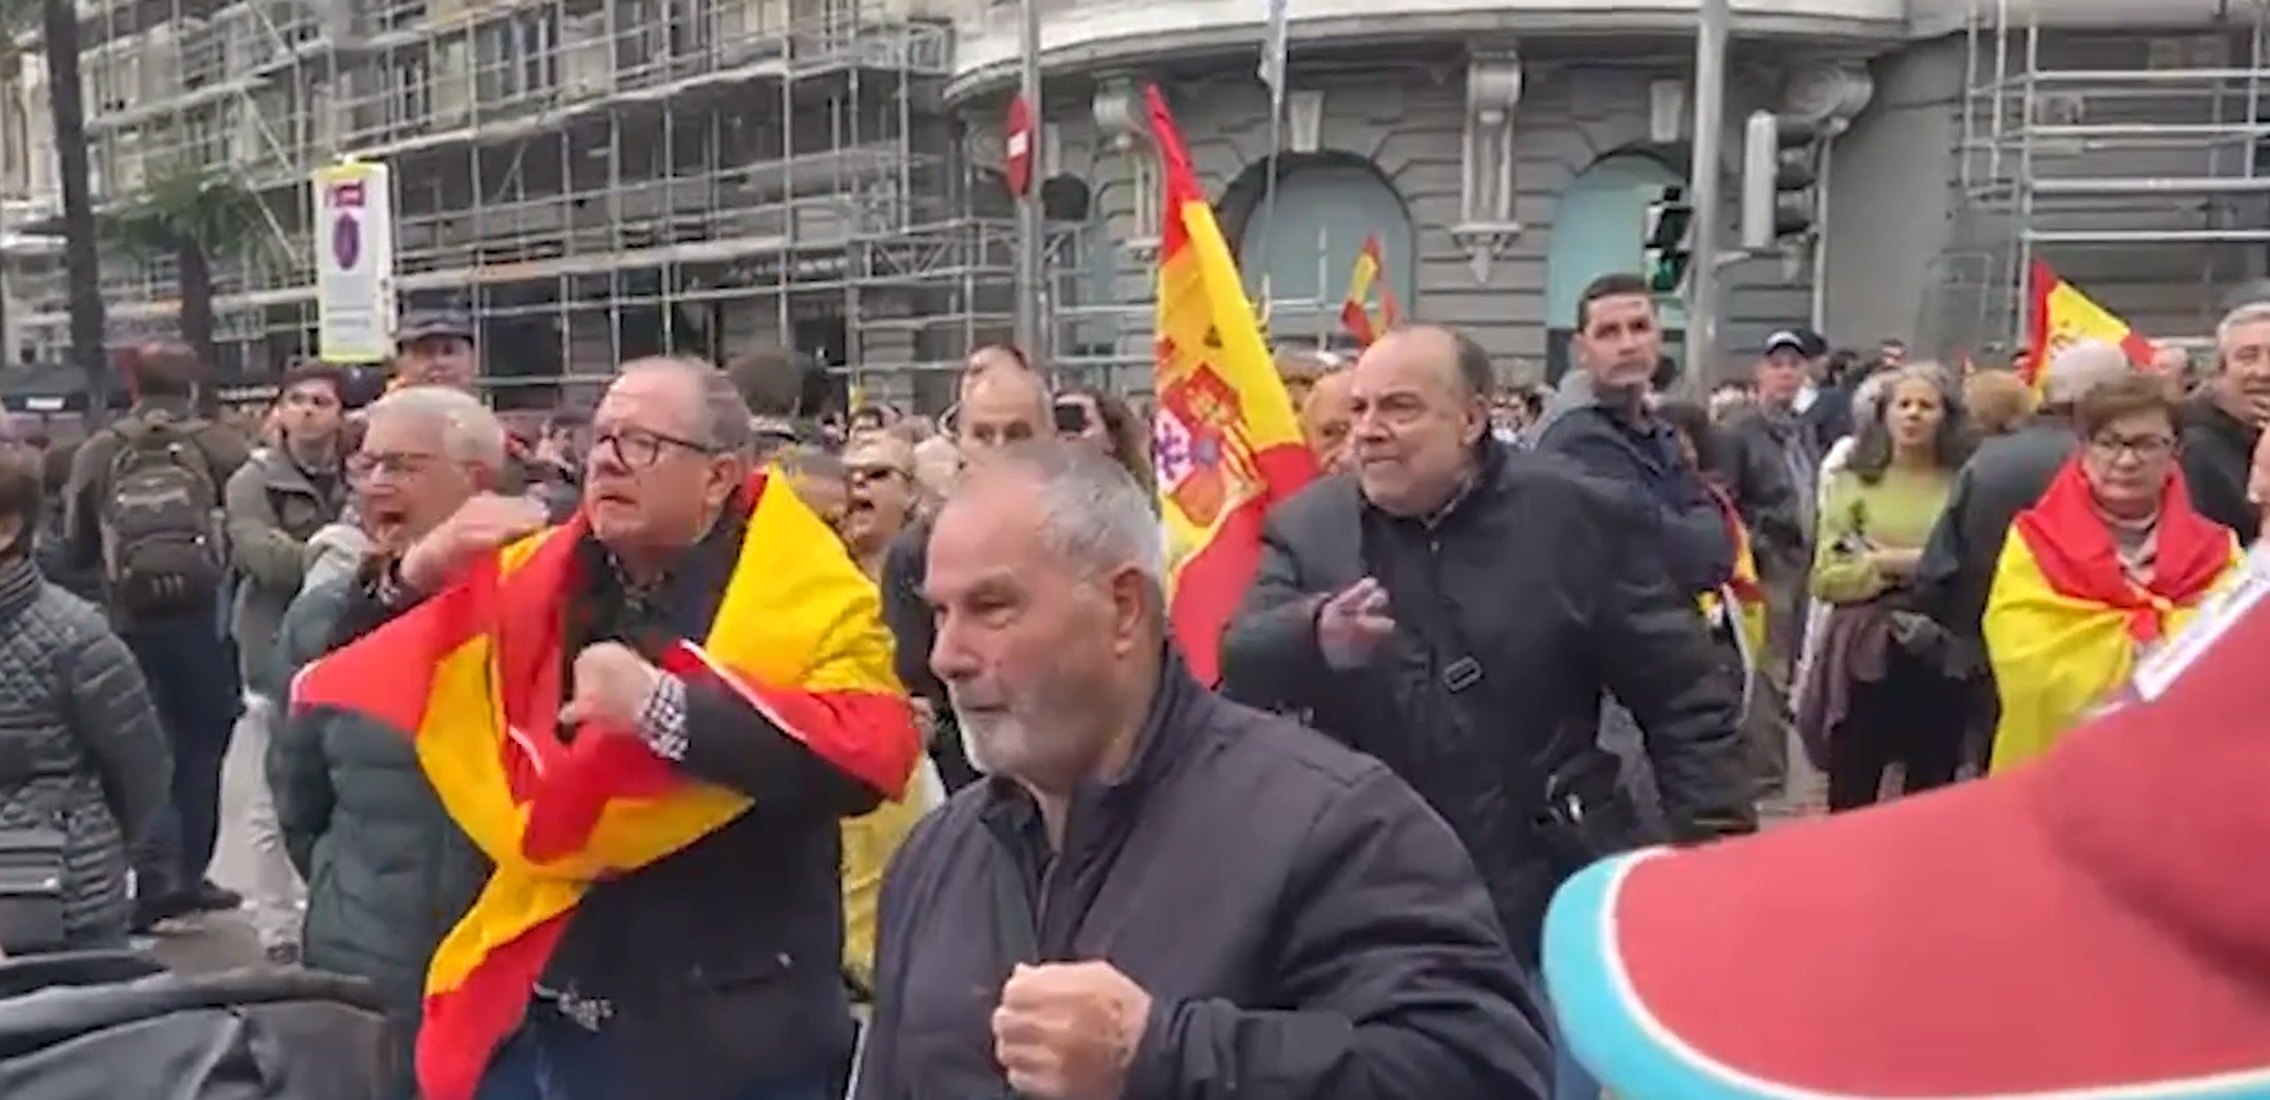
x: 474, y: 676
x: 2063, y: 316
x: 1742, y: 591
x: 1355, y: 312
x: 2064, y: 623
x: 1228, y: 443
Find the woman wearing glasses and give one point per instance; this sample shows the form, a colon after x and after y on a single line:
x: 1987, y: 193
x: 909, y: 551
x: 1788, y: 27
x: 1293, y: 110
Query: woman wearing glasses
x: 2108, y: 566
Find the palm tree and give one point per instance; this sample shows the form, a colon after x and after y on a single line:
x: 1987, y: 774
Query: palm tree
x: 195, y: 214
x: 81, y: 250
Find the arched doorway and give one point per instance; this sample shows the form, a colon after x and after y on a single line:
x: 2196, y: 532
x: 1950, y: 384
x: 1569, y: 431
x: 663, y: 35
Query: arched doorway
x: 1305, y: 242
x: 1599, y: 227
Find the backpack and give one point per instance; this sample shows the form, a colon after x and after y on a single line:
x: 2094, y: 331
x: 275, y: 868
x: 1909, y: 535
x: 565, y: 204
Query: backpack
x: 160, y: 519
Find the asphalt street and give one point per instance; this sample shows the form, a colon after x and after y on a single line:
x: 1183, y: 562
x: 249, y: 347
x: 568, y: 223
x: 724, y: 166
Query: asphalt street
x: 219, y: 941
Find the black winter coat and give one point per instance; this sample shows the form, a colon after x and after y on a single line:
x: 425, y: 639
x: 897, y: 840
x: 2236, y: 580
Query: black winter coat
x: 81, y: 751
x: 1552, y: 578
x: 1306, y: 929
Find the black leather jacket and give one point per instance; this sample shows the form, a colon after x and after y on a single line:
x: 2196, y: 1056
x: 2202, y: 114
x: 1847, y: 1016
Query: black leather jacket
x: 1547, y: 580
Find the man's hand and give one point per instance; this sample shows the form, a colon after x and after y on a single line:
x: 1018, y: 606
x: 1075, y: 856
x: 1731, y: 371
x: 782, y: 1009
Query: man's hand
x: 612, y: 685
x: 1896, y: 562
x: 1068, y: 1031
x: 1351, y: 626
x: 483, y: 523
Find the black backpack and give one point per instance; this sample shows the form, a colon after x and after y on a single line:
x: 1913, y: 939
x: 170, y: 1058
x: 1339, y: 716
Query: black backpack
x: 161, y: 519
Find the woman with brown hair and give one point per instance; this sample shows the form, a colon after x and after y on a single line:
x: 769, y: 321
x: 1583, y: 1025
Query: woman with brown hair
x: 1886, y: 686
x: 84, y: 769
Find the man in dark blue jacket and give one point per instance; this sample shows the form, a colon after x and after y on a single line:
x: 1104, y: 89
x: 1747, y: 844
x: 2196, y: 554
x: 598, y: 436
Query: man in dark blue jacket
x: 1600, y: 419
x: 1156, y: 892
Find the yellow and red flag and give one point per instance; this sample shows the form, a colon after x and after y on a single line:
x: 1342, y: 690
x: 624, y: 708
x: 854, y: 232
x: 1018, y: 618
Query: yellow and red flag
x: 1355, y: 312
x: 1228, y: 443
x: 2063, y: 316
x: 1742, y: 595
x: 2065, y: 622
x: 474, y: 677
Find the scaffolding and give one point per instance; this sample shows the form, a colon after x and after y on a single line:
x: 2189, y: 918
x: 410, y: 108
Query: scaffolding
x: 2132, y: 162
x: 598, y: 179
x: 592, y: 178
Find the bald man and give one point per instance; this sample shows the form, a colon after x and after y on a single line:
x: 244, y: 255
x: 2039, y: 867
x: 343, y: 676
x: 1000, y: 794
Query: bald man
x: 1003, y: 403
x: 1326, y: 417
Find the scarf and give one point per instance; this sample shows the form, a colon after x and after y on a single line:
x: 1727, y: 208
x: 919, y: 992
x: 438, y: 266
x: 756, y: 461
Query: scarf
x: 2065, y: 619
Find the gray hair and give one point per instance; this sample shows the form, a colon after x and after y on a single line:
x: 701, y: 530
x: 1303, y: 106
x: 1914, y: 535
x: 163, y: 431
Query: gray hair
x: 2081, y: 367
x: 469, y: 431
x: 724, y: 413
x: 2248, y: 314
x: 1092, y: 513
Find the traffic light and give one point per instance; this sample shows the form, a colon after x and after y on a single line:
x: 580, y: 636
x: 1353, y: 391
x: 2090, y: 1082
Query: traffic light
x: 1670, y: 221
x: 1778, y: 174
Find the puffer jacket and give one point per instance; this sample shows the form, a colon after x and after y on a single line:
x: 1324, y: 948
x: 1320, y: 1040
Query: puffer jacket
x: 388, y: 872
x: 80, y: 747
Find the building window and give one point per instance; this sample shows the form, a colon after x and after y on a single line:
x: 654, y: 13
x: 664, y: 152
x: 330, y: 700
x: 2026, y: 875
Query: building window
x: 518, y: 55
x: 411, y: 77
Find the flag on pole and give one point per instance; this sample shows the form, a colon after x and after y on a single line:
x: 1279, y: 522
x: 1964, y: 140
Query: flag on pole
x: 1227, y: 445
x: 2063, y: 316
x: 1355, y: 311
x: 1273, y: 47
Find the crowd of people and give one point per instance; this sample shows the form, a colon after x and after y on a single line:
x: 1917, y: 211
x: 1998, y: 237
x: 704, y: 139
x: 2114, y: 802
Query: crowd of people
x: 919, y: 758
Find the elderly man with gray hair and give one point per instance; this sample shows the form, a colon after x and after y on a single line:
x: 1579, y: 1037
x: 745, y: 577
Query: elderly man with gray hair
x: 2222, y: 424
x: 2005, y: 476
x: 388, y: 871
x: 1159, y: 892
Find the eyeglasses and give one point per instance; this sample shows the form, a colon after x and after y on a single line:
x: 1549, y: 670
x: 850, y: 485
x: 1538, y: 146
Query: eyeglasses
x: 362, y: 464
x: 638, y: 448
x: 862, y: 475
x: 2143, y: 448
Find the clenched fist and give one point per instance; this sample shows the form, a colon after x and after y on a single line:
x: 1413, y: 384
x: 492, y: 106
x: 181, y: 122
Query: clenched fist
x: 1068, y: 1031
x: 612, y: 685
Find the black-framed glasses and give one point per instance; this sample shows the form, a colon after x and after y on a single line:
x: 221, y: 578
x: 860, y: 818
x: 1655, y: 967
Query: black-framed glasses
x: 2143, y: 448
x: 863, y: 475
x: 639, y: 448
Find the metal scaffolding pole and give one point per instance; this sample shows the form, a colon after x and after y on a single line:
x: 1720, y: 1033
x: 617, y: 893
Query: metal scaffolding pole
x: 1702, y: 187
x: 1031, y: 314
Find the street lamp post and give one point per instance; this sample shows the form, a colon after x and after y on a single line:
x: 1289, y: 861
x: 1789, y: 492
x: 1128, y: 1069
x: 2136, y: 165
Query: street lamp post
x: 1032, y: 279
x: 1702, y: 185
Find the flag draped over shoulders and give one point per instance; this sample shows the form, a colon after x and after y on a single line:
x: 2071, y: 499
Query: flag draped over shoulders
x: 2064, y: 622
x: 474, y: 676
x: 1742, y: 595
x: 1227, y: 444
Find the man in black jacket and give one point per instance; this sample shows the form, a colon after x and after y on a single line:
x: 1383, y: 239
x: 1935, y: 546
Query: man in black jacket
x: 1457, y: 610
x: 1600, y: 420
x: 1158, y: 893
x: 2223, y: 423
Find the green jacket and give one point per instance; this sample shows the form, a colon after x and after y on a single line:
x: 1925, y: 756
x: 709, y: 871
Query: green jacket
x: 388, y: 872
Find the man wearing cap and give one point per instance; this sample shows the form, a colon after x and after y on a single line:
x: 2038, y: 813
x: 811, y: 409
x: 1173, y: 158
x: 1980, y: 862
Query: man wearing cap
x: 435, y: 348
x: 2093, y: 924
x: 1774, y: 462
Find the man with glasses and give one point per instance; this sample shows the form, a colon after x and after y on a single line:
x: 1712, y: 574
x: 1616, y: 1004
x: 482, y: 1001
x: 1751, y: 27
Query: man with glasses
x: 712, y: 971
x: 390, y: 873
